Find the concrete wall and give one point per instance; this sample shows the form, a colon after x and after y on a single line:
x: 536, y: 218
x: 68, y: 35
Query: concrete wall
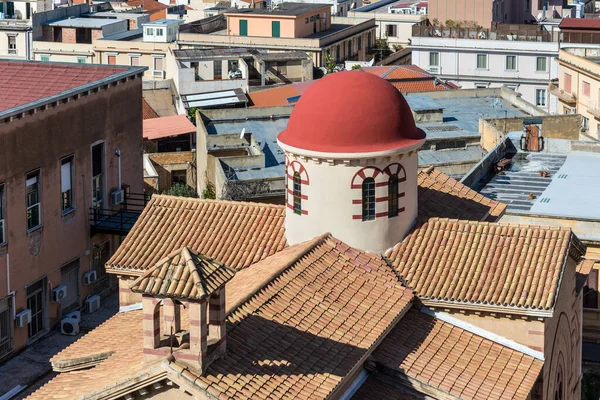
x: 55, y: 15
x: 458, y: 63
x: 113, y: 116
x: 124, y: 50
x: 403, y: 23
x: 479, y: 11
x: 185, y: 77
x: 64, y: 52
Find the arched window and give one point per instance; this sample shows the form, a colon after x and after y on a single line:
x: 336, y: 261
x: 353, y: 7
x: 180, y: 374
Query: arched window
x: 393, y: 196
x: 368, y: 199
x: 297, y: 193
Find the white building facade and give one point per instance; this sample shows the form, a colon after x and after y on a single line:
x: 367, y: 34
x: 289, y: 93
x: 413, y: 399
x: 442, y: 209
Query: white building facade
x: 526, y: 67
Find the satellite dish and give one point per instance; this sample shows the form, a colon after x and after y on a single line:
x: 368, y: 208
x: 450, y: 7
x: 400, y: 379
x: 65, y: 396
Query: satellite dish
x: 539, y: 17
x: 243, y: 133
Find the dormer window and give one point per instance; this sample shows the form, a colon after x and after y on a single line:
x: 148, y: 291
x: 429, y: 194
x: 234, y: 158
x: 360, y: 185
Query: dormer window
x: 297, y: 193
x: 393, y: 196
x: 368, y: 199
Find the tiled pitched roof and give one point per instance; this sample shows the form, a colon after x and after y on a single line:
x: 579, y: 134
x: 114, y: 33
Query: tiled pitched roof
x: 23, y: 82
x: 483, y: 264
x: 441, y: 196
x: 457, y: 361
x: 115, y: 346
x: 374, y: 388
x: 183, y: 274
x: 418, y: 86
x: 147, y: 111
x: 237, y: 234
x: 301, y: 334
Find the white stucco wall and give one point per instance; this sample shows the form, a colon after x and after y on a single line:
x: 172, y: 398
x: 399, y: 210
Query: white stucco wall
x: 458, y: 63
x: 331, y: 204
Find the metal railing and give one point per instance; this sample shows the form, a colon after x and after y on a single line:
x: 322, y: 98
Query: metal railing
x: 120, y: 219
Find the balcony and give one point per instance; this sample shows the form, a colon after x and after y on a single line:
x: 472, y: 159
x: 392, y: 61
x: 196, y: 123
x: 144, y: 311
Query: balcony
x: 563, y: 96
x: 118, y: 221
x: 594, y: 109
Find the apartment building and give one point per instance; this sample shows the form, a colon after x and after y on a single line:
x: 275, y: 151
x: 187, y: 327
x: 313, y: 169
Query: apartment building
x: 70, y: 157
x: 491, y: 61
x: 15, y: 39
x: 290, y: 26
x: 577, y: 88
x: 392, y: 24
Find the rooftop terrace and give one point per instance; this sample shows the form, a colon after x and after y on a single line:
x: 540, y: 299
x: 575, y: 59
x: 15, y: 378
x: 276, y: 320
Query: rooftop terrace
x: 285, y: 9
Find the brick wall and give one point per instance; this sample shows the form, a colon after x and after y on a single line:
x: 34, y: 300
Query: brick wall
x: 69, y: 35
x: 96, y: 34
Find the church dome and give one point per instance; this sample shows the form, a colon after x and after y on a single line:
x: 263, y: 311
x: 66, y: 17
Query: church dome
x: 351, y: 112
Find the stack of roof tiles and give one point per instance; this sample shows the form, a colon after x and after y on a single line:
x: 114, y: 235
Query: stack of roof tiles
x: 183, y: 274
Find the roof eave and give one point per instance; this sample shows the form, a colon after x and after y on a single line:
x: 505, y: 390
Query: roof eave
x: 488, y: 308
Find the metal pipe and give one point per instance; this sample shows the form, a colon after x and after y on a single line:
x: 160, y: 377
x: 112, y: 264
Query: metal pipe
x: 118, y: 154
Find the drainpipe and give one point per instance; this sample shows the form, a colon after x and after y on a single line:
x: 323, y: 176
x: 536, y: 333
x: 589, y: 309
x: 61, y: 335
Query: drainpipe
x: 118, y: 154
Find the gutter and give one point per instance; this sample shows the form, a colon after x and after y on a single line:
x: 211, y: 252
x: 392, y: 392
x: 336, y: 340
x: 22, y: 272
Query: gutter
x: 442, y: 304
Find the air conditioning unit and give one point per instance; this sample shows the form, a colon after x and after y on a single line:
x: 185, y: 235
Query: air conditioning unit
x: 89, y: 277
x: 92, y: 304
x: 117, y: 197
x: 23, y: 318
x: 434, y: 70
x: 59, y: 293
x: 70, y: 324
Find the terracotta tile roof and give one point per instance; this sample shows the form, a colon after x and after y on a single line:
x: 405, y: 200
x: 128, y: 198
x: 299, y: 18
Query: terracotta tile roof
x: 237, y: 234
x: 484, y: 264
x: 580, y: 23
x: 457, y: 361
x: 23, y: 82
x: 301, y: 334
x: 374, y: 388
x: 183, y: 274
x: 147, y: 111
x: 406, y: 72
x: 115, y: 346
x: 441, y: 196
x: 418, y: 86
x: 148, y: 5
x: 177, y: 157
x: 156, y: 128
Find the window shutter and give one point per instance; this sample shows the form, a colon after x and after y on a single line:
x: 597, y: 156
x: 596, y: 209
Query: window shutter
x: 65, y: 176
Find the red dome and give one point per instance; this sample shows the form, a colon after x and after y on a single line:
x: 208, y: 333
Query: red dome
x: 351, y: 112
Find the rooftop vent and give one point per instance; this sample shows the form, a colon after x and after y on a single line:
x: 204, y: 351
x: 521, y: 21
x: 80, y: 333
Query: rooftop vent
x: 545, y: 200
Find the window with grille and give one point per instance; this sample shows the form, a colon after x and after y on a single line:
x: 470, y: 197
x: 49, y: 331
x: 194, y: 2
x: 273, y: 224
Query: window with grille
x: 6, y: 326
x: 34, y: 211
x: 368, y: 199
x: 393, y: 196
x: 36, y: 302
x: 66, y: 183
x: 434, y: 59
x: 297, y: 194
x: 511, y: 63
x: 2, y: 211
x: 540, y: 64
x: 482, y: 61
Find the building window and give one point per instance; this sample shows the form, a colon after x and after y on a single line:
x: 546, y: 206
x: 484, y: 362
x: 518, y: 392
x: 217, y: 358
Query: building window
x: 160, y: 32
x: 66, y: 183
x: 217, y: 70
x: 540, y: 97
x: 275, y: 29
x: 80, y: 60
x: 297, y: 194
x: 100, y: 258
x: 585, y: 123
x: 434, y: 59
x: 134, y: 61
x: 511, y: 63
x: 482, y: 61
x: 36, y: 302
x: 44, y: 57
x: 6, y: 326
x: 112, y: 60
x: 34, y: 212
x: 590, y: 290
x: 97, y: 174
x: 158, y: 63
x: 179, y: 177
x: 368, y: 199
x: 69, y: 276
x: 12, y: 44
x: 391, y: 30
x: 585, y: 88
x: 28, y: 10
x: 243, y: 27
x: 150, y: 31
x: 540, y: 65
x: 2, y: 211
x: 567, y: 83
x: 393, y: 196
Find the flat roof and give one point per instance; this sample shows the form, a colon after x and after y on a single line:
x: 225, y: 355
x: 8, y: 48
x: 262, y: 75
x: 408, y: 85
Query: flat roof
x: 84, y: 22
x: 163, y: 22
x: 26, y: 85
x: 289, y: 9
x: 118, y: 15
x: 570, y: 189
x: 210, y: 53
x: 282, y: 56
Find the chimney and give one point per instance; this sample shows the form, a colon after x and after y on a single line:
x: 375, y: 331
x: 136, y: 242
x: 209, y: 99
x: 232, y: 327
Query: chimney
x: 189, y: 279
